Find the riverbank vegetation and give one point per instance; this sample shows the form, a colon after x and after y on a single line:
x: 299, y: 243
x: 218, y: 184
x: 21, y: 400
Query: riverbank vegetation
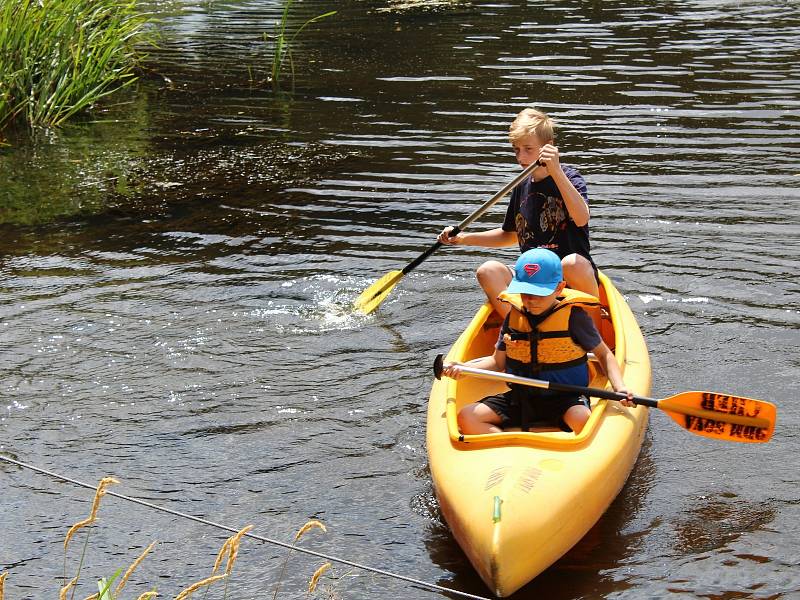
x: 59, y: 58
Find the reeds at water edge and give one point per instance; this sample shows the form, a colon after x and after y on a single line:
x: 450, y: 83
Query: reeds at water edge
x: 58, y: 58
x: 283, y: 42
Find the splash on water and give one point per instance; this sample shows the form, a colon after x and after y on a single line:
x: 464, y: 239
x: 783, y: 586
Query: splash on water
x: 329, y: 305
x: 650, y: 298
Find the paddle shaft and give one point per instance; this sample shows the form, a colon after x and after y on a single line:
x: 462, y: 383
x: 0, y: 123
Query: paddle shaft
x: 377, y: 292
x: 477, y: 214
x: 542, y: 384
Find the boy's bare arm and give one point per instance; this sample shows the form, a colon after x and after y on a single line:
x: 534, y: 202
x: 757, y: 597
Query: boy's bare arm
x: 493, y: 362
x: 491, y: 238
x: 608, y: 362
x: 576, y: 206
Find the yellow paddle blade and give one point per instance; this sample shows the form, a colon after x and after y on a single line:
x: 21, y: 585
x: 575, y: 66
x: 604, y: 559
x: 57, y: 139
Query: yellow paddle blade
x: 722, y: 416
x: 372, y: 297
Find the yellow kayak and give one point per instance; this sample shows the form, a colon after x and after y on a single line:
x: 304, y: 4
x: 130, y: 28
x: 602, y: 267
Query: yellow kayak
x: 518, y: 501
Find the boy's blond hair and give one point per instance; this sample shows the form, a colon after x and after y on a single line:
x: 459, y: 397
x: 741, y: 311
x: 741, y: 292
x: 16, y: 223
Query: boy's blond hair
x: 532, y: 122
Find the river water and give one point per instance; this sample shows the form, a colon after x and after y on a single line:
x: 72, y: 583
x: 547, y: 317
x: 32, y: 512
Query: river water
x: 176, y: 274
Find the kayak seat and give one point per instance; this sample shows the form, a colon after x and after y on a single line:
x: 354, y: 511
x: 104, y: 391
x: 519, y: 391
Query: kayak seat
x: 537, y: 427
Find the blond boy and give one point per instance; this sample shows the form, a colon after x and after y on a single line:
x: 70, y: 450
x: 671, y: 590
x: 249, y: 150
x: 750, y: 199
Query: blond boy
x: 548, y: 210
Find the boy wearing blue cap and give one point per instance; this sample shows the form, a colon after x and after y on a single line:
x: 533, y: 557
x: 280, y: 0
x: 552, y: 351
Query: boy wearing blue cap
x: 546, y: 335
x: 548, y: 210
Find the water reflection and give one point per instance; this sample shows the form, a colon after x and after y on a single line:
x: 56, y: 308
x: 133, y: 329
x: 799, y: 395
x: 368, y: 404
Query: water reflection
x: 57, y: 175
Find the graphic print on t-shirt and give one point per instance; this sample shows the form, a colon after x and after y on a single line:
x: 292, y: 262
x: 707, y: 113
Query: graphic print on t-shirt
x: 553, y: 216
x: 552, y: 219
x: 524, y: 234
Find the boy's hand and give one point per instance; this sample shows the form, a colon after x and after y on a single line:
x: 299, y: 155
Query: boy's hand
x: 445, y: 238
x: 629, y: 400
x: 549, y: 157
x: 452, y: 370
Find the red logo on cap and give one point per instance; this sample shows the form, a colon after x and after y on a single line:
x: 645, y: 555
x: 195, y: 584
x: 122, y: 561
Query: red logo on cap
x: 532, y: 269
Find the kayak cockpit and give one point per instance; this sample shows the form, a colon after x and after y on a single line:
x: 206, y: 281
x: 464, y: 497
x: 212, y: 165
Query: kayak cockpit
x: 466, y: 390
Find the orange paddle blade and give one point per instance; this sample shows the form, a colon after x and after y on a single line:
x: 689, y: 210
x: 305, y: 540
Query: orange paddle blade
x: 722, y: 416
x: 371, y: 298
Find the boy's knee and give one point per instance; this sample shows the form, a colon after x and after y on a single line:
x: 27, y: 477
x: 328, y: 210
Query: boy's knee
x: 493, y: 277
x: 576, y: 262
x: 577, y: 417
x: 491, y: 272
x: 580, y: 274
x: 465, y: 416
x: 489, y: 268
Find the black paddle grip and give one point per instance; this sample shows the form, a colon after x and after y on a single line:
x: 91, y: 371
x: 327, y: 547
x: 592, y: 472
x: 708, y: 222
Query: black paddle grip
x: 438, y: 366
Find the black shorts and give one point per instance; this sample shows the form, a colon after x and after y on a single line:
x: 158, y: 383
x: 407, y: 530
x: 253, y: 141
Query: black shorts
x: 547, y: 407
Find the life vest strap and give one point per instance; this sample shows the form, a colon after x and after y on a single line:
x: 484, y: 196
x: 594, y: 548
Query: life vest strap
x: 543, y: 335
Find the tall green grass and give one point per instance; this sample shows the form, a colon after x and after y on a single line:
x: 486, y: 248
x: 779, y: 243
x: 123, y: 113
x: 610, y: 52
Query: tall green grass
x: 283, y: 41
x: 59, y: 57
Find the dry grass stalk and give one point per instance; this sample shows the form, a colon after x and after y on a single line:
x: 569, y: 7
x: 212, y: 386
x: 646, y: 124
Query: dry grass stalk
x: 101, y: 491
x: 95, y: 596
x: 62, y: 595
x: 147, y: 596
x: 309, y: 525
x: 131, y: 569
x: 2, y: 584
x: 196, y: 586
x: 221, y: 554
x: 312, y: 585
x: 234, y: 548
x: 231, y: 548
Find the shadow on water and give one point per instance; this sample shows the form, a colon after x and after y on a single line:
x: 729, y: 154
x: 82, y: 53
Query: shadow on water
x: 713, y: 523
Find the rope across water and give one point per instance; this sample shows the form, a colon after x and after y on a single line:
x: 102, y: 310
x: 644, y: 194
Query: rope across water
x: 329, y: 557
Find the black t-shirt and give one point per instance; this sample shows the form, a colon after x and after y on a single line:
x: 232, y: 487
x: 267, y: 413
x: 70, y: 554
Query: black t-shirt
x: 539, y: 216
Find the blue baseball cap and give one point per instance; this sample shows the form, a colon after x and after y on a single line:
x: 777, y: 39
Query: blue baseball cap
x: 537, y: 272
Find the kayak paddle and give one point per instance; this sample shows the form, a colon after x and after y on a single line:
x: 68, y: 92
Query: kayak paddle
x: 376, y: 293
x: 709, y: 414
